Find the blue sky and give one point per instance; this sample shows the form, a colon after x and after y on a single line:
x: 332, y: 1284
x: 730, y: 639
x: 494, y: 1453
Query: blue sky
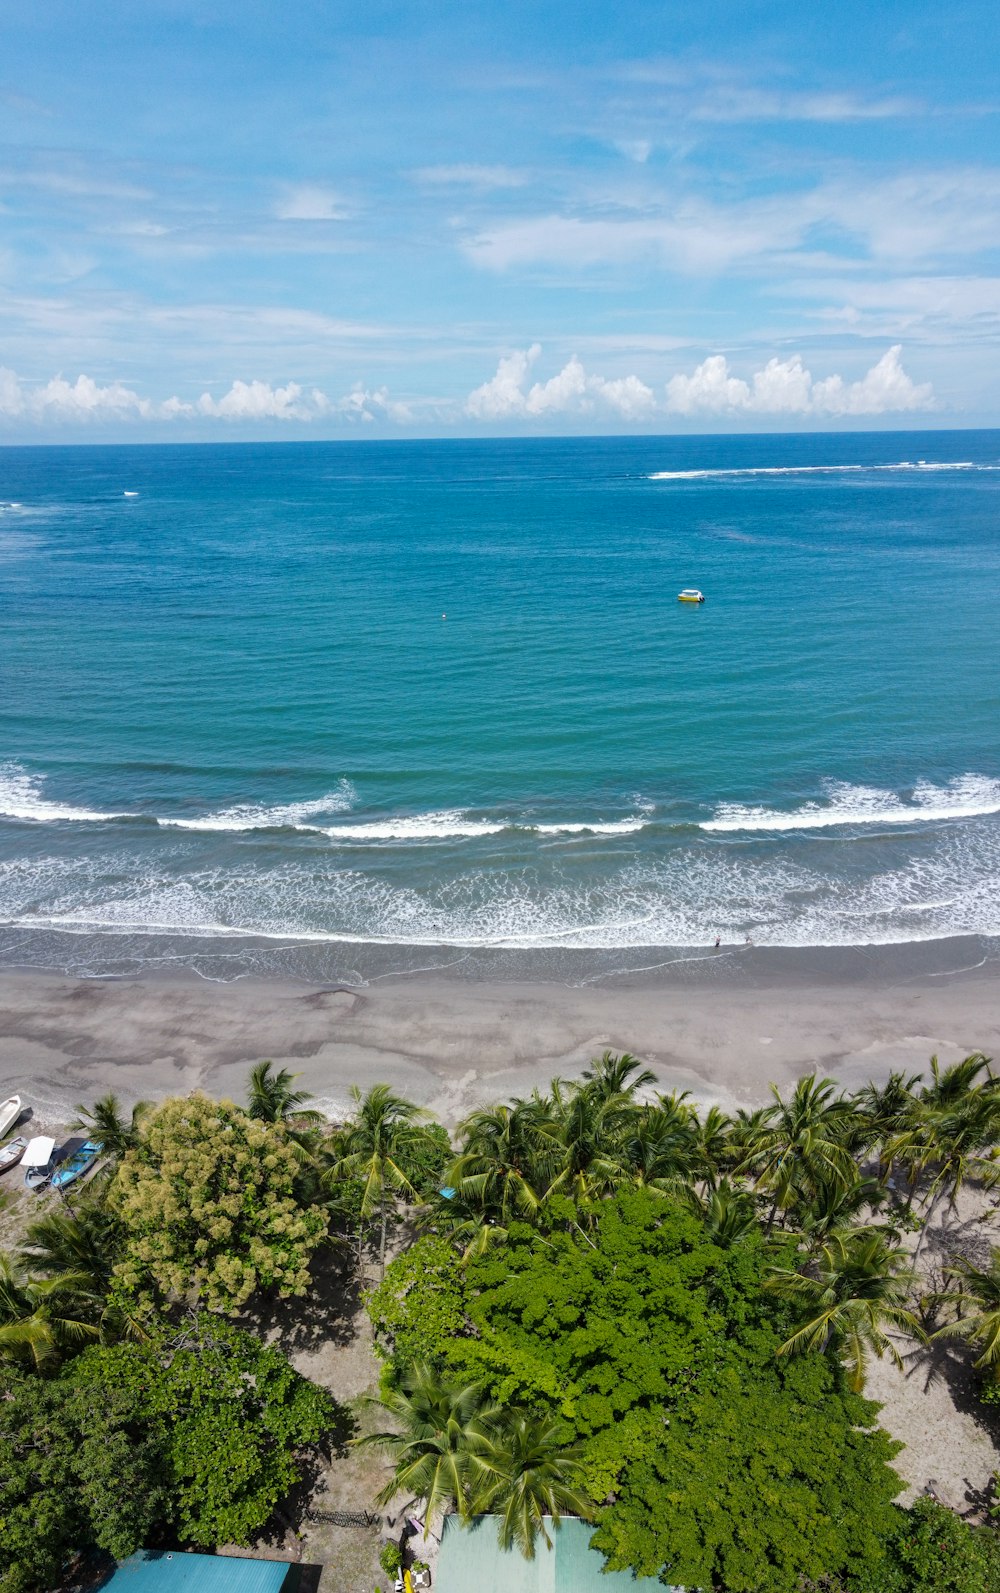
x: 320, y: 219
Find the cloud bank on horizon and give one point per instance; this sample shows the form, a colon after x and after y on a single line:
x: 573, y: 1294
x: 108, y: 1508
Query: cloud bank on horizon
x: 781, y: 388
x: 705, y: 220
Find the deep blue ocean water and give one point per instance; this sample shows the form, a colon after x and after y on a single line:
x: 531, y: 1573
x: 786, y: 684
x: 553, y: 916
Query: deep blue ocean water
x: 443, y: 693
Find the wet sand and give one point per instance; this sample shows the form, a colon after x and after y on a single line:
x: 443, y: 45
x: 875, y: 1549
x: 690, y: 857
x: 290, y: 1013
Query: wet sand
x: 722, y: 1028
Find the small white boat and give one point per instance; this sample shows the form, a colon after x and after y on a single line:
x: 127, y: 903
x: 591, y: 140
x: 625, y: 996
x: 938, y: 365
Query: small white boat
x: 11, y: 1153
x: 690, y: 594
x: 38, y: 1163
x: 10, y: 1111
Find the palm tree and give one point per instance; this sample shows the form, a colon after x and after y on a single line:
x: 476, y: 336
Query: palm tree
x: 802, y: 1142
x: 530, y: 1473
x: 658, y: 1147
x: 888, y: 1109
x: 729, y: 1213
x: 615, y: 1076
x: 374, y: 1145
x: 833, y: 1204
x: 712, y: 1144
x: 981, y: 1325
x: 439, y: 1444
x: 42, y: 1318
x: 105, y: 1122
x: 952, y: 1135
x: 591, y: 1139
x: 83, y: 1243
x: 507, y: 1160
x: 858, y: 1285
x: 271, y: 1099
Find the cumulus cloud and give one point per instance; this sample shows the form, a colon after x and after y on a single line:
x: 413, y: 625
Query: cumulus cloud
x: 260, y: 401
x: 507, y: 396
x: 786, y: 387
x: 86, y: 400
x: 59, y: 399
x: 367, y: 405
x: 310, y: 202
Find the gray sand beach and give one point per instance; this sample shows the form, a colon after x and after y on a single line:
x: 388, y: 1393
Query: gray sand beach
x: 724, y: 1028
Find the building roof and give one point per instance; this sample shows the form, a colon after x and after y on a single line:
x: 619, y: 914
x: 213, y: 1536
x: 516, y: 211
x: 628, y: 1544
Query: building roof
x: 170, y: 1571
x: 471, y: 1558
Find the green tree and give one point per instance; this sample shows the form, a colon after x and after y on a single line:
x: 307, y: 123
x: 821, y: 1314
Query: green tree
x: 77, y: 1474
x: 375, y: 1151
x: 231, y: 1420
x: 802, y: 1142
x: 934, y: 1551
x: 271, y: 1099
x: 704, y: 1452
x: 43, y: 1319
x: 207, y: 1204
x: 508, y: 1158
x: 106, y: 1122
x: 977, y: 1298
x: 439, y: 1443
x: 529, y: 1472
x: 859, y: 1286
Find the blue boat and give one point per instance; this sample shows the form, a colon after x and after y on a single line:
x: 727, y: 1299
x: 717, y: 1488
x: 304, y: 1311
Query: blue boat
x: 77, y: 1164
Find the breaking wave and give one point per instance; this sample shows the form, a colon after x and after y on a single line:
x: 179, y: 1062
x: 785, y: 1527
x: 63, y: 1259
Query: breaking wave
x: 968, y: 796
x: 817, y: 470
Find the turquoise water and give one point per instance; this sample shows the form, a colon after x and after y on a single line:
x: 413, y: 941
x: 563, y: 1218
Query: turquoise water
x: 442, y: 694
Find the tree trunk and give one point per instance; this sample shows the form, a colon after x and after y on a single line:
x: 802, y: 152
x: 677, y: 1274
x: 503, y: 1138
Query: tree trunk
x: 381, y: 1248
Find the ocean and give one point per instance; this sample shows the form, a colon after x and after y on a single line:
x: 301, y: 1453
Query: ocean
x: 412, y: 704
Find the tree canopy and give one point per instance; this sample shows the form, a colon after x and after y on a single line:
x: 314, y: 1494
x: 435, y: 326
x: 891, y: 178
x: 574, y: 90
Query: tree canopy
x: 207, y: 1202
x: 706, y: 1455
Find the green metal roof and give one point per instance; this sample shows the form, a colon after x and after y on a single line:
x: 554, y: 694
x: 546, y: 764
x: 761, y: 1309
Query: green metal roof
x: 471, y: 1559
x: 170, y: 1571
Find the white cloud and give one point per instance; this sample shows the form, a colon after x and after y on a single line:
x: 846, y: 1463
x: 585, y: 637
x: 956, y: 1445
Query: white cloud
x: 762, y: 105
x: 86, y: 400
x: 785, y: 387
x: 59, y: 399
x: 506, y: 396
x: 466, y: 176
x: 260, y: 401
x: 920, y: 216
x: 310, y: 202
x: 365, y: 405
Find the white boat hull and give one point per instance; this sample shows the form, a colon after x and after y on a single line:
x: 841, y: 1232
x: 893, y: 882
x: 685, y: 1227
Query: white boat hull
x: 10, y: 1111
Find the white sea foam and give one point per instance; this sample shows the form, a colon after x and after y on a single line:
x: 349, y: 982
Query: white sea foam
x: 682, y: 898
x: 817, y: 470
x: 968, y: 796
x: 21, y: 798
x: 282, y: 816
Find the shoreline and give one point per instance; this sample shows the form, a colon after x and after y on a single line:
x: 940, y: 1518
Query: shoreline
x: 722, y: 1025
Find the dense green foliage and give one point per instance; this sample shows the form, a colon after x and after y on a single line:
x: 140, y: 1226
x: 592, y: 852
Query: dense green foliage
x: 76, y: 1473
x: 933, y: 1551
x: 227, y: 1414
x: 207, y: 1201
x: 621, y: 1308
x: 704, y: 1451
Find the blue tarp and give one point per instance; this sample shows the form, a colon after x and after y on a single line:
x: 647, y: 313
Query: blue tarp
x: 166, y: 1571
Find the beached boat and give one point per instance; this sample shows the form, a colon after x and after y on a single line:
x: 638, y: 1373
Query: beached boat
x: 38, y: 1166
x: 76, y: 1165
x: 10, y: 1111
x: 12, y: 1152
x: 690, y: 594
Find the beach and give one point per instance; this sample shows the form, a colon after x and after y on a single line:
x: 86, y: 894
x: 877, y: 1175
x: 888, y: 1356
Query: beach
x: 723, y: 1026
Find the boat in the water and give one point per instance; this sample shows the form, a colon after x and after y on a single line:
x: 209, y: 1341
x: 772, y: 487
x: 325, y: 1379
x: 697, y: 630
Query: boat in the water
x: 76, y: 1165
x: 38, y: 1161
x: 690, y: 594
x: 11, y: 1153
x: 10, y: 1111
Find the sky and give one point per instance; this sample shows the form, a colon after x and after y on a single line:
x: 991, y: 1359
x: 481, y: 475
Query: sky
x: 316, y: 219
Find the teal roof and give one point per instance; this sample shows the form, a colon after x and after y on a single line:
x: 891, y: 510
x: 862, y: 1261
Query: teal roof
x: 170, y: 1571
x: 471, y: 1559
